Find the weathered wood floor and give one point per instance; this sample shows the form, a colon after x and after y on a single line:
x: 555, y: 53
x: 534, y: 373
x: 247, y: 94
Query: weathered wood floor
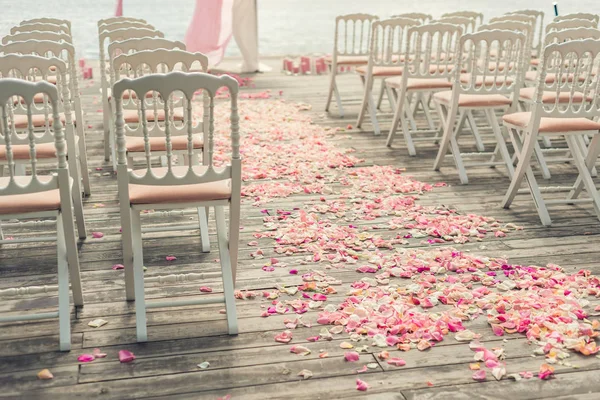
x: 252, y: 365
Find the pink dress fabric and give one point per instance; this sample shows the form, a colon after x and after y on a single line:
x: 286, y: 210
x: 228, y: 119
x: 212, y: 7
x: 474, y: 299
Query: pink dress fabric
x: 210, y: 29
x: 119, y: 8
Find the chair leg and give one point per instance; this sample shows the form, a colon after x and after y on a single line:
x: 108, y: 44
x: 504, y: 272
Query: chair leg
x: 365, y: 100
x: 592, y: 155
x: 203, y: 221
x: 226, y: 271
x: 491, y: 116
x: 462, y: 172
x: 64, y: 312
x: 138, y: 274
x: 83, y: 161
x: 583, y: 166
x: 426, y: 111
x: 390, y: 95
x: 475, y: 130
x: 127, y: 244
x: 106, y: 126
x: 331, y: 86
x: 78, y: 204
x: 381, y: 93
x: 395, y: 121
x: 445, y: 143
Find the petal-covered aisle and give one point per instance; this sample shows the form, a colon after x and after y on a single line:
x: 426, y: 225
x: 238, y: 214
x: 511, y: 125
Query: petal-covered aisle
x: 375, y: 276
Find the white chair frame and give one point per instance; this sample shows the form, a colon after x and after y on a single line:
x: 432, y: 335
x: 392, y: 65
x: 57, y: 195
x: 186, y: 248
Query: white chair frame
x: 474, y: 15
x: 54, y: 21
x: 538, y: 28
x: 166, y: 84
x: 505, y: 79
x: 432, y: 52
x: 388, y: 48
x: 352, y: 39
x: 65, y: 51
x: 576, y: 58
x: 592, y: 17
x: 40, y: 26
x: 118, y: 34
x: 68, y: 262
x: 570, y: 24
x: 37, y: 35
x: 422, y: 18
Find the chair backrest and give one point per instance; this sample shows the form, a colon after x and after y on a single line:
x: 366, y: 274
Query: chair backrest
x: 573, y: 63
x: 492, y: 62
x: 148, y: 62
x: 124, y: 25
x: 39, y: 26
x: 570, y: 24
x: 138, y: 44
x: 588, y: 16
x: 421, y: 17
x: 389, y: 42
x: 167, y: 86
x: 44, y: 48
x: 571, y: 34
x: 538, y: 28
x: 477, y: 16
x: 467, y: 24
x: 111, y: 20
x: 352, y: 35
x: 31, y: 68
x: 37, y: 35
x: 432, y: 49
x: 22, y: 92
x: 54, y: 21
x: 523, y: 27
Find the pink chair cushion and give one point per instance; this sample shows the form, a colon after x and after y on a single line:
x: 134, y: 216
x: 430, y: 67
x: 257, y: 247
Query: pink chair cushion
x: 39, y: 120
x: 348, y: 60
x: 552, y: 125
x: 531, y: 76
x: 153, y: 194
x: 136, y: 144
x: 21, y: 151
x: 26, y: 203
x: 489, y: 80
x: 474, y: 100
x: 550, y: 96
x: 380, y: 71
x: 131, y: 116
x: 418, y: 83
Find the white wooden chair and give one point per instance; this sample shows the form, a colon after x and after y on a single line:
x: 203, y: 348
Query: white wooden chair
x: 490, y: 82
x: 350, y: 49
x: 110, y: 36
x: 40, y: 26
x: 37, y: 35
x: 428, y: 69
x: 40, y: 196
x: 570, y: 24
x: 54, y: 21
x: 474, y: 15
x: 112, y: 20
x: 66, y: 52
x: 31, y: 67
x: 573, y: 119
x: 591, y: 17
x: 179, y: 187
x: 151, y: 62
x: 538, y: 28
x: 388, y: 47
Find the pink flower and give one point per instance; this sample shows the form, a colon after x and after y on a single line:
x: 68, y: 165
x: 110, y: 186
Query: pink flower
x: 126, y: 356
x: 170, y: 258
x: 479, y: 375
x: 284, y: 337
x: 97, y: 235
x: 293, y: 271
x: 86, y: 358
x: 546, y: 372
x: 118, y: 266
x: 205, y: 289
x: 351, y: 356
x: 361, y: 385
x: 397, y: 362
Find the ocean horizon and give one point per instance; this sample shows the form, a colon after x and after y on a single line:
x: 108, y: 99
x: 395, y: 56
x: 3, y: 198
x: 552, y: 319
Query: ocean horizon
x: 286, y: 27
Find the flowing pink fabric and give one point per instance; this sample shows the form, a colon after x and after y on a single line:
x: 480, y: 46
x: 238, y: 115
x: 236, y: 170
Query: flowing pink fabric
x: 210, y: 29
x: 119, y: 9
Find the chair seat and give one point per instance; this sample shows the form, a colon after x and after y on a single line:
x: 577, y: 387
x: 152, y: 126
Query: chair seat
x: 489, y: 80
x: 135, y: 144
x: 39, y: 120
x: 532, y: 76
x: 38, y: 98
x: 550, y: 96
x: 419, y: 83
x: 132, y: 116
x: 154, y: 194
x: 474, y: 100
x: 28, y: 203
x: 348, y: 60
x: 535, y: 62
x: 552, y: 125
x: 380, y: 71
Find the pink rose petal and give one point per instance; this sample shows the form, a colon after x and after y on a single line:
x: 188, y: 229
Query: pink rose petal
x: 86, y: 358
x: 361, y: 385
x: 118, y: 266
x: 126, y: 356
x: 170, y: 258
x: 97, y: 235
x: 205, y: 289
x: 351, y: 356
